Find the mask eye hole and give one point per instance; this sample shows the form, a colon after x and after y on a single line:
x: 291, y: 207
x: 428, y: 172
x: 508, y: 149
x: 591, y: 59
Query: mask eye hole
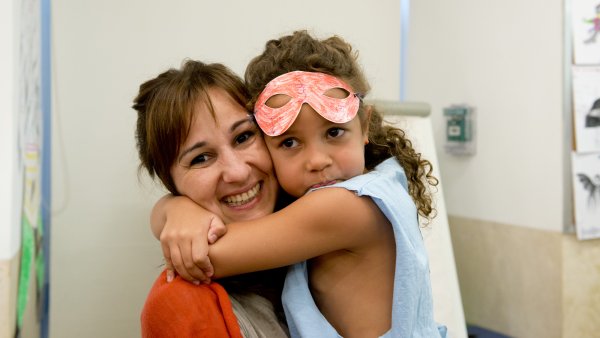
x: 277, y: 101
x: 337, y: 93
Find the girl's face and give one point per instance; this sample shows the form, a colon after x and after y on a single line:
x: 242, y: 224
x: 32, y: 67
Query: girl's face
x: 223, y: 165
x: 315, y: 152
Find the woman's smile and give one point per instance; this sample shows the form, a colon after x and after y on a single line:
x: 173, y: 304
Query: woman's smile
x: 243, y: 198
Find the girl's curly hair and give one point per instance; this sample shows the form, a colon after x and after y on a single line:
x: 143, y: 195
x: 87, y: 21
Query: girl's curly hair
x: 334, y: 56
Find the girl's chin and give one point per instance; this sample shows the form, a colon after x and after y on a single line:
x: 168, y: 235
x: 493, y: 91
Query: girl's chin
x: 248, y: 215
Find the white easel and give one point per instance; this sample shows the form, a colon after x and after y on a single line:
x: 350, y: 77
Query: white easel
x: 413, y: 118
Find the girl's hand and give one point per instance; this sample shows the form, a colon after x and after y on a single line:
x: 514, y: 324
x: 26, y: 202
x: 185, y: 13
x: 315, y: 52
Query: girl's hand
x: 185, y: 230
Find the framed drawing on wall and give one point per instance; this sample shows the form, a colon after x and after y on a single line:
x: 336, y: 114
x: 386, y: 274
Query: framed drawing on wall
x: 586, y: 188
x: 585, y: 21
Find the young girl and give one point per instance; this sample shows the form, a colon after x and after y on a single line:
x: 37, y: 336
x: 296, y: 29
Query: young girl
x: 367, y: 273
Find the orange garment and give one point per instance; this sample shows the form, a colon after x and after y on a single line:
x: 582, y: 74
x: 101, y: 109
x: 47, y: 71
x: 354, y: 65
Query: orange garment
x: 181, y: 309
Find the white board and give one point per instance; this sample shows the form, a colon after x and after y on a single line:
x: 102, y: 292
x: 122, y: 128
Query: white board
x: 413, y: 118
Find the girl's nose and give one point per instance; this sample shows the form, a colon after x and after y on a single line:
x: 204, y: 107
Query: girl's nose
x: 317, y: 158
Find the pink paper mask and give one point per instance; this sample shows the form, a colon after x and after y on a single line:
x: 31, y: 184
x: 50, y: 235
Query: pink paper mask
x: 303, y: 87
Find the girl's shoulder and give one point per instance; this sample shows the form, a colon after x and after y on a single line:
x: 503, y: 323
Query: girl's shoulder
x: 342, y: 210
x: 388, y: 175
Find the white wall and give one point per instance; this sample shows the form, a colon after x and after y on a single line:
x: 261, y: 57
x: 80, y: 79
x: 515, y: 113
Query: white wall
x: 9, y: 173
x: 9, y: 170
x: 506, y: 59
x: 103, y: 257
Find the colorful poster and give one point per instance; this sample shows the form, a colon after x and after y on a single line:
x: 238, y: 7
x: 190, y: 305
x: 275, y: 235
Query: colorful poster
x: 585, y: 20
x: 586, y: 105
x: 32, y: 253
x: 31, y: 312
x: 586, y: 190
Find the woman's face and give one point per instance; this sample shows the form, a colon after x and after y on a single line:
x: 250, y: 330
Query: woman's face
x: 224, y: 165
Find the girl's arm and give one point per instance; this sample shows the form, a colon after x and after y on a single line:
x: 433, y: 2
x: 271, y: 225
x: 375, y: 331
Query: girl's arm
x: 321, y: 222
x: 184, y: 244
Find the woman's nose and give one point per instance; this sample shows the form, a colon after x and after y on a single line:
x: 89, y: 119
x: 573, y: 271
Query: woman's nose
x: 235, y: 168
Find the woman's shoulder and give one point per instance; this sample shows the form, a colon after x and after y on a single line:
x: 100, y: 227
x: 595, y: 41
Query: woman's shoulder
x: 184, y: 308
x: 163, y: 291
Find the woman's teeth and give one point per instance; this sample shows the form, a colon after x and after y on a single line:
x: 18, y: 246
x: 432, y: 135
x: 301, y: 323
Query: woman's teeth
x: 243, y: 198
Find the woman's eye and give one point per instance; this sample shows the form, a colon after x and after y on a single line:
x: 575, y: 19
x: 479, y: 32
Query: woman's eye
x: 335, y: 132
x: 289, y: 143
x: 200, y: 159
x: 244, y: 137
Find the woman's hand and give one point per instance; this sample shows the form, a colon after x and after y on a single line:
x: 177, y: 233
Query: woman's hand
x: 185, y: 230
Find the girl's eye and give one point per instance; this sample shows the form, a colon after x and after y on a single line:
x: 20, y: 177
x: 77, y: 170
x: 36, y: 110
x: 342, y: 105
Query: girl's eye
x: 335, y: 132
x: 200, y: 159
x: 289, y: 143
x: 244, y: 137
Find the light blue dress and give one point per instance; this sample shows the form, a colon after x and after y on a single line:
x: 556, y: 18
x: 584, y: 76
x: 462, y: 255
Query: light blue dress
x: 412, y: 309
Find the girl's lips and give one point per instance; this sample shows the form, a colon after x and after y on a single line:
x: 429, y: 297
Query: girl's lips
x: 323, y: 184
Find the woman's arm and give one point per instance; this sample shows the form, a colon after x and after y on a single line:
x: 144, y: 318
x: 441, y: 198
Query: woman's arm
x: 180, y: 309
x: 323, y: 221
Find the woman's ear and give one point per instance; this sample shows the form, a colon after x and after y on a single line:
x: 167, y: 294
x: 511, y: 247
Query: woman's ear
x: 365, y: 121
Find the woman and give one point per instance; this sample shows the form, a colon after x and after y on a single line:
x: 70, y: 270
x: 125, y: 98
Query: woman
x: 201, y: 106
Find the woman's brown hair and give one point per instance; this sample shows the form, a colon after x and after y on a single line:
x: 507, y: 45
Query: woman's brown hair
x: 165, y: 108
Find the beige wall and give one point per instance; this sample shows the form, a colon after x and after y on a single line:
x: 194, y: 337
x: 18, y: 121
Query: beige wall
x: 527, y: 282
x: 9, y: 273
x: 581, y: 287
x: 9, y: 283
x: 510, y: 277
